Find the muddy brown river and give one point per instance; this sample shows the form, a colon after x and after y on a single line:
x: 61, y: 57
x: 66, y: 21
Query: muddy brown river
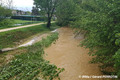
x: 67, y: 54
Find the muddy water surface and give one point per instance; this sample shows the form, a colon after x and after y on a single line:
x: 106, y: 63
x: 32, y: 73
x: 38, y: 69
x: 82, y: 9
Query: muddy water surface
x: 67, y: 54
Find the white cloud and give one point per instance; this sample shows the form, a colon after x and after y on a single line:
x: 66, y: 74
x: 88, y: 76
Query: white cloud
x: 23, y: 4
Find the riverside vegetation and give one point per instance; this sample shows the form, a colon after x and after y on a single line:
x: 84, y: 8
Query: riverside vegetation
x: 100, y: 20
x: 31, y: 65
x: 11, y: 38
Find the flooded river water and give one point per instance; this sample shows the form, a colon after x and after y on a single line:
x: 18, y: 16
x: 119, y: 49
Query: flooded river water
x: 67, y: 54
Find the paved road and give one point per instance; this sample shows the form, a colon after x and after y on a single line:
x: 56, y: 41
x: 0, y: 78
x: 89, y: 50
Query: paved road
x: 8, y: 29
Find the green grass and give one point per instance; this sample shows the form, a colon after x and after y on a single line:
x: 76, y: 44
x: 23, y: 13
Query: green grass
x: 16, y: 21
x: 10, y: 38
x: 31, y: 65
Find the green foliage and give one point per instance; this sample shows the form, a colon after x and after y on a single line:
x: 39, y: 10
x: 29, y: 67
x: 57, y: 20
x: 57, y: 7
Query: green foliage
x: 31, y: 65
x: 6, y: 23
x: 9, y: 23
x: 64, y: 12
x: 100, y: 20
x: 47, y: 8
x: 35, y: 11
x: 117, y: 62
x: 4, y: 14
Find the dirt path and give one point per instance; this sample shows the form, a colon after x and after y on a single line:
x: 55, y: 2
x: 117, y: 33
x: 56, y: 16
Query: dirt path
x: 8, y: 29
x: 66, y: 54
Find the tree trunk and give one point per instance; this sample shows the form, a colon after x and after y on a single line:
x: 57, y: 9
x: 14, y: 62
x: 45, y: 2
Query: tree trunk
x: 49, y: 22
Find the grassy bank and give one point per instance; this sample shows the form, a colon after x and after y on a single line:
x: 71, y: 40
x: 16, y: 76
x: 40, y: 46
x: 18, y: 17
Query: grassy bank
x: 31, y: 64
x: 24, y: 22
x: 16, y: 23
x: 12, y: 38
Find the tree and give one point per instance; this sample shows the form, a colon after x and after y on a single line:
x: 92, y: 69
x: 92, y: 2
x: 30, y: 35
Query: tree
x: 5, y: 12
x: 5, y: 8
x: 48, y: 7
x: 9, y: 4
x: 64, y: 12
x: 35, y: 11
x: 100, y: 20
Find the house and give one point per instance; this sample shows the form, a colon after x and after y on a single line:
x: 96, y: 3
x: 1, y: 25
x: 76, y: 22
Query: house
x: 20, y: 12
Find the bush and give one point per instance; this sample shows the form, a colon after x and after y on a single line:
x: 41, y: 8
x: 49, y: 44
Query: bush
x: 6, y: 23
x: 100, y: 19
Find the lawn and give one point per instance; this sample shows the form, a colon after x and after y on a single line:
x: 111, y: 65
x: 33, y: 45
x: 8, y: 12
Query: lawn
x: 17, y: 22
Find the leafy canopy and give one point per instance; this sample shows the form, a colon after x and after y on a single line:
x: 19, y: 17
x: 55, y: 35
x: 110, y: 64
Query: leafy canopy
x: 47, y: 7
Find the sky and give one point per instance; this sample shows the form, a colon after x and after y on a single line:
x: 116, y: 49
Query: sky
x: 25, y: 5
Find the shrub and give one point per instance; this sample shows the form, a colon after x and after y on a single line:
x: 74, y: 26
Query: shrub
x: 6, y: 23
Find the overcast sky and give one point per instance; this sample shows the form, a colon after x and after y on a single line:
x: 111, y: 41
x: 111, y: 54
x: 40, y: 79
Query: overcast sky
x: 25, y: 5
